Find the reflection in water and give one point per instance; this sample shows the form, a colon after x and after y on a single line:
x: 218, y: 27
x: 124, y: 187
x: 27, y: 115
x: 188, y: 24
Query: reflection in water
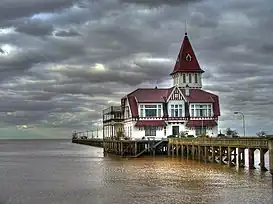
x: 155, y: 180
x: 60, y: 172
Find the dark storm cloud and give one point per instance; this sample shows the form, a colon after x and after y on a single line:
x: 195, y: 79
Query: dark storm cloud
x: 60, y: 68
x: 131, y: 74
x: 160, y: 2
x: 2, y: 51
x: 13, y: 9
x: 35, y: 28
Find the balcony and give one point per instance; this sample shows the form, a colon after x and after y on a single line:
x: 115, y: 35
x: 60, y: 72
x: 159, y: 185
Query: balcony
x: 111, y: 110
x: 112, y: 115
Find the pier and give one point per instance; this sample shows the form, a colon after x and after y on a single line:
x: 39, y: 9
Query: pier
x: 230, y: 151
x: 136, y: 148
x: 91, y: 142
x: 128, y: 148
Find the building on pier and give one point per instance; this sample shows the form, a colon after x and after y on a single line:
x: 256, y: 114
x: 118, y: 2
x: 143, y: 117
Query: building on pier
x: 185, y: 107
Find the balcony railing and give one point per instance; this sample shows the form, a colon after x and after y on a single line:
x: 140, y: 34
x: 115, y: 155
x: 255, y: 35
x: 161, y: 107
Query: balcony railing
x: 112, y: 109
x: 226, y: 142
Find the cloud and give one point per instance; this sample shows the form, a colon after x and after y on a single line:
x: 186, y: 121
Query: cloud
x: 15, y: 9
x: 160, y: 2
x: 63, y: 61
x: 67, y: 33
x: 35, y: 28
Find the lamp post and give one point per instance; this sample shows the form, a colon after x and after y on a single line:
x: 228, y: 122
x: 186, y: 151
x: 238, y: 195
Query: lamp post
x: 243, y: 116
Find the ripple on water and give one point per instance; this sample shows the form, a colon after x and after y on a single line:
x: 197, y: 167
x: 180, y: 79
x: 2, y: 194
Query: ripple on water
x: 64, y: 173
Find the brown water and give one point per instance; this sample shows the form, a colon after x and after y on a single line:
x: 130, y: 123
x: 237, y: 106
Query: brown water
x: 48, y: 171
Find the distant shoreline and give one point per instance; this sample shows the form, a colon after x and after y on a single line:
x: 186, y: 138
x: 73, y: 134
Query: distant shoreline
x: 11, y: 139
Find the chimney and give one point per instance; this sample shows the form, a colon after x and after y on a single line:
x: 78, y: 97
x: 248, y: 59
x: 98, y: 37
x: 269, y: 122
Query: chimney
x: 187, y: 90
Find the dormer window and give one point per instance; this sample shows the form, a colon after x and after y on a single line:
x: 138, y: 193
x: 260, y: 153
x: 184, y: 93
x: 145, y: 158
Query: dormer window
x: 176, y: 95
x: 188, y: 57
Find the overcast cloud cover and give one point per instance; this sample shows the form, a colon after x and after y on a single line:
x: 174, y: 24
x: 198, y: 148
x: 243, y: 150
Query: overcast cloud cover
x: 63, y: 61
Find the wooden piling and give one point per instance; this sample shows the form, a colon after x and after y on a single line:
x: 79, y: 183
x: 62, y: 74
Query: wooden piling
x: 270, y: 147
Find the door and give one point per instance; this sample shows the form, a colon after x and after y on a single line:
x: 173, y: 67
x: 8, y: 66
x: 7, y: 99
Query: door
x: 175, y: 130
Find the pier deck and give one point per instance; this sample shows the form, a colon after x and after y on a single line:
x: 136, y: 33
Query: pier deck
x: 230, y: 151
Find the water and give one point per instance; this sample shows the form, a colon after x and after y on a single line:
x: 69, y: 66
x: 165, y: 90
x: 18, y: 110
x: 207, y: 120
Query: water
x: 59, y: 172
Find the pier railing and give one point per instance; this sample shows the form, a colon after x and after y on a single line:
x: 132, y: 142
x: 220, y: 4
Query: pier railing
x: 231, y: 142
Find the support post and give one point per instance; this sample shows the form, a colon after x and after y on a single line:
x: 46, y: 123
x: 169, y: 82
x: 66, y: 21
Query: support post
x: 251, y: 158
x: 220, y: 155
x: 193, y: 152
x: 205, y: 154
x: 199, y: 153
x: 241, y: 157
x: 229, y: 157
x: 262, y: 163
x: 172, y: 149
x: 270, y: 146
x: 169, y: 149
x: 135, y: 148
x: 182, y: 150
x: 188, y: 151
x: 213, y: 154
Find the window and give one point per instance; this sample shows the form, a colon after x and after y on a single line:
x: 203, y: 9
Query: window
x: 184, y: 78
x: 201, y: 110
x: 189, y: 78
x: 150, y: 131
x: 176, y: 110
x: 150, y: 110
x: 188, y: 57
x: 196, y: 78
x: 127, y: 112
x: 165, y: 131
x: 200, y: 130
x: 141, y: 111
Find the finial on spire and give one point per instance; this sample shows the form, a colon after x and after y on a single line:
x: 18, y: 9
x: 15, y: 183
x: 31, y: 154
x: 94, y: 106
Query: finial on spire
x: 186, y: 27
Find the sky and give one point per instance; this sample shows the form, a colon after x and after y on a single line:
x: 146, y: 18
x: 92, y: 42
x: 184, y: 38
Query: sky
x: 63, y: 61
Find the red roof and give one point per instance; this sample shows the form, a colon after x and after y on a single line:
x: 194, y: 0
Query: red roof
x: 200, y: 123
x: 157, y: 95
x: 144, y: 123
x: 186, y: 60
x: 133, y: 105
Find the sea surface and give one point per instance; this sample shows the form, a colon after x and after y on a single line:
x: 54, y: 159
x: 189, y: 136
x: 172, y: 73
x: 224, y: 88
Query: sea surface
x: 59, y: 172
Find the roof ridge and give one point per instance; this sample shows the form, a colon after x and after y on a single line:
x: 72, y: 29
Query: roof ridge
x: 208, y: 92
